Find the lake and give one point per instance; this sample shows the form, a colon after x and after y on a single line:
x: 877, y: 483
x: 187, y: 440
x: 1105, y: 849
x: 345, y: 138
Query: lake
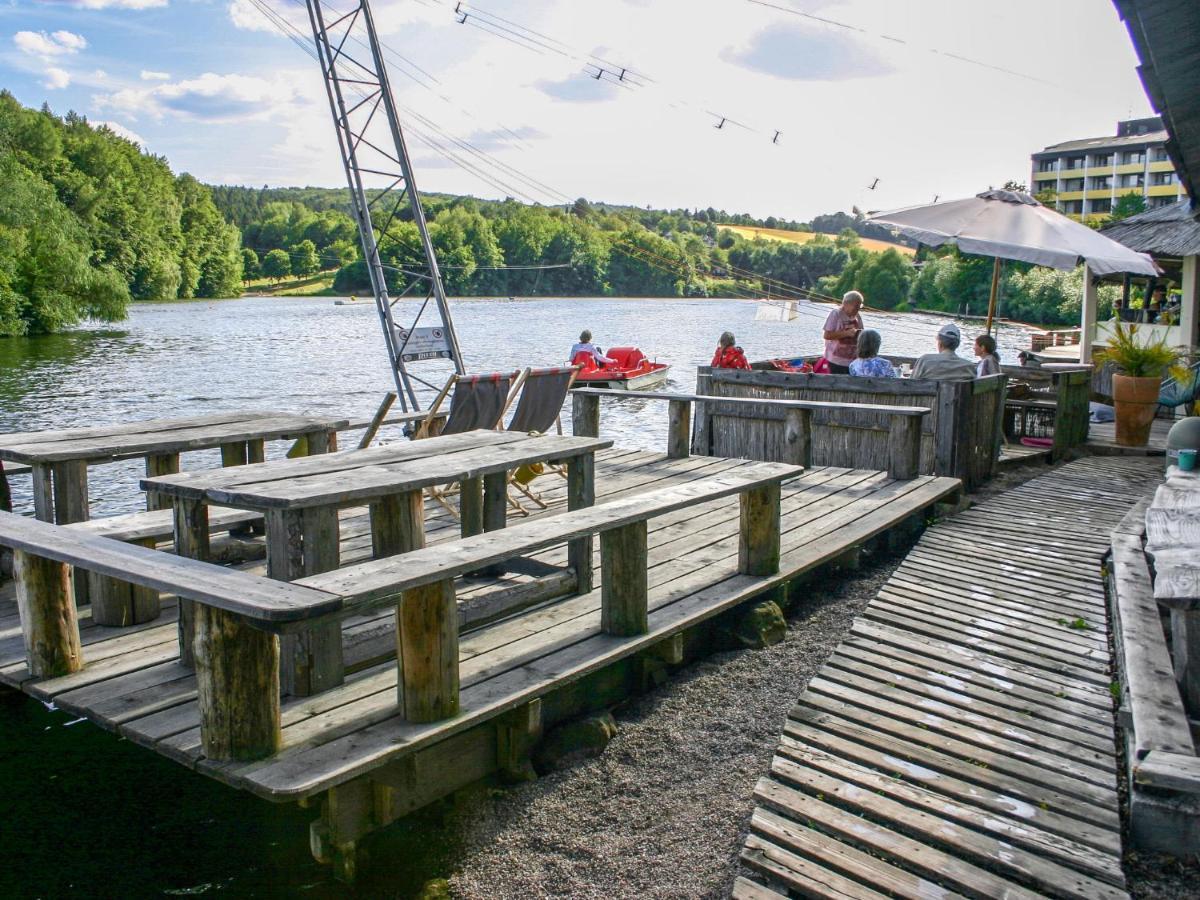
x: 88, y: 814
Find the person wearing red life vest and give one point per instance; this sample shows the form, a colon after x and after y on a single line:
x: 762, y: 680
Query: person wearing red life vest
x: 729, y: 355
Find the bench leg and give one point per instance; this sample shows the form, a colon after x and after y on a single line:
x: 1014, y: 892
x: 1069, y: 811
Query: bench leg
x: 624, y: 583
x: 427, y: 652
x: 71, y: 505
x: 46, y: 603
x: 758, y: 541
x: 237, y: 682
x: 160, y: 464
x: 581, y: 492
x: 191, y: 540
x: 118, y: 603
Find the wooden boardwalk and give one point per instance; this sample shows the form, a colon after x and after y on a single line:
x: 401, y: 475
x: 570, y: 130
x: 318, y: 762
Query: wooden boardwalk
x: 134, y: 685
x: 961, y: 740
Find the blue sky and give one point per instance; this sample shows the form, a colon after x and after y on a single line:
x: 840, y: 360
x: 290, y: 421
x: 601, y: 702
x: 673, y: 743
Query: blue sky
x: 214, y: 87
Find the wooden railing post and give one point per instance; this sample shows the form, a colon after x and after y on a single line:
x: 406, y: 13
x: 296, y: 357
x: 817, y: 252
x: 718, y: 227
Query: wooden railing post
x: 904, y: 447
x: 585, y: 415
x: 46, y: 603
x: 581, y: 492
x: 237, y: 683
x: 758, y: 539
x: 427, y: 652
x: 624, y: 580
x: 679, y: 429
x: 797, y: 437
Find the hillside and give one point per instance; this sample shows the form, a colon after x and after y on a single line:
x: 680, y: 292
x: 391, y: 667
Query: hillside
x: 803, y: 237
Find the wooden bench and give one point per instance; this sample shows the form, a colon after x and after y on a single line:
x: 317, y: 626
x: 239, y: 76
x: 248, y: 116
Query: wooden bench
x: 904, y: 438
x: 238, y: 616
x: 118, y: 603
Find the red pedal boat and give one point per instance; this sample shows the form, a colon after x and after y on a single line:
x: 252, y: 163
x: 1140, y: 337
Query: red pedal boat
x: 628, y: 371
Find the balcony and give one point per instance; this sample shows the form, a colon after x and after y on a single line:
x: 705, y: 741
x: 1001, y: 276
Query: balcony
x: 1164, y: 166
x: 1097, y: 193
x: 1074, y: 195
x: 1162, y: 190
x: 1131, y: 169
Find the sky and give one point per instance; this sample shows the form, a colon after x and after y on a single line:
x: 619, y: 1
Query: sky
x: 820, y: 99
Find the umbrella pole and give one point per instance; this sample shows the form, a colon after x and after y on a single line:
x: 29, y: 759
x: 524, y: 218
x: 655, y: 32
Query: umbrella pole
x: 992, y: 299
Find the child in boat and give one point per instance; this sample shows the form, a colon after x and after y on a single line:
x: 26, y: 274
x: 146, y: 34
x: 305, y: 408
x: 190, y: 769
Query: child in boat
x: 729, y: 355
x: 586, y: 347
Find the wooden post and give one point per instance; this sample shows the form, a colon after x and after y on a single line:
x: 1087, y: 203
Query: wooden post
x: 624, y: 580
x: 118, y: 603
x: 427, y: 652
x: 256, y: 450
x: 191, y: 540
x: 1088, y: 314
x: 237, y: 682
x: 397, y: 524
x: 43, y: 492
x: 71, y: 505
x: 581, y: 492
x: 321, y: 442
x: 495, y: 501
x: 991, y: 312
x: 585, y: 415
x: 377, y: 420
x: 679, y: 428
x: 233, y: 454
x: 160, y: 464
x: 305, y: 542
x: 904, y: 447
x: 1185, y: 652
x: 758, y: 538
x: 797, y: 437
x: 470, y: 506
x: 517, y: 731
x: 5, y: 492
x: 46, y: 603
x: 701, y: 423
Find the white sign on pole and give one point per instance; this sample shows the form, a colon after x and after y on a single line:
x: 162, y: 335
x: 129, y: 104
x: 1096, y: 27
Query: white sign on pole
x: 422, y: 343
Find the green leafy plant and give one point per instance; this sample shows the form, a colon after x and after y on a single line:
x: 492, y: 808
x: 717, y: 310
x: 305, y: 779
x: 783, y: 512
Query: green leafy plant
x: 1137, y: 359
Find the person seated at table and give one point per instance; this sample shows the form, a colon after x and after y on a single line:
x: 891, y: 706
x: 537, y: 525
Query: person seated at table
x: 588, y: 350
x: 869, y: 362
x: 989, y: 359
x: 945, y: 365
x: 729, y: 355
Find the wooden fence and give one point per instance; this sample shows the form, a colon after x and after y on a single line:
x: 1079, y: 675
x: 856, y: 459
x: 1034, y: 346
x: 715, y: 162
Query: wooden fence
x: 960, y: 437
x: 1056, y: 405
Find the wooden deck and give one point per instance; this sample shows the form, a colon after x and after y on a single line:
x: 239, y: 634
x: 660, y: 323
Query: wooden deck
x: 961, y: 739
x: 1102, y: 439
x: 133, y: 684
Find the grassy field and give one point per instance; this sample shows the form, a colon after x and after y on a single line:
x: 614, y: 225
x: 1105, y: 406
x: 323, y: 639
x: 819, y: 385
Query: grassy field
x: 750, y: 232
x: 317, y: 285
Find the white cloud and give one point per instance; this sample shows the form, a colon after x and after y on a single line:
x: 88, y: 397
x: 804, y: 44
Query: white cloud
x: 112, y: 4
x: 100, y: 75
x: 48, y: 46
x: 56, y: 78
x: 210, y: 98
x: 148, y: 75
x: 121, y: 131
x: 246, y: 16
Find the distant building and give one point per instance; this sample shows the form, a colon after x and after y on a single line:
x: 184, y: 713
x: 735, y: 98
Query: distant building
x: 1089, y: 175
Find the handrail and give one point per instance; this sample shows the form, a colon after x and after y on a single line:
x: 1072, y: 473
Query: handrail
x: 904, y: 440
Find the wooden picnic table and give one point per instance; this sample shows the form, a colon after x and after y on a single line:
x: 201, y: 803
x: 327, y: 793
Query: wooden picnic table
x: 60, y: 459
x: 300, y: 499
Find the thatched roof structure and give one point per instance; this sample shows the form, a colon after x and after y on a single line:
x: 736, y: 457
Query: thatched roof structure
x: 1167, y: 231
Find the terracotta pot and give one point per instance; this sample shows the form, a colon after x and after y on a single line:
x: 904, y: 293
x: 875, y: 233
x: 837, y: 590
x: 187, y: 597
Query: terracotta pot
x: 1135, y: 401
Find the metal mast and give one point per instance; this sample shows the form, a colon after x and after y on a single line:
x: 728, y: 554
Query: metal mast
x: 372, y: 145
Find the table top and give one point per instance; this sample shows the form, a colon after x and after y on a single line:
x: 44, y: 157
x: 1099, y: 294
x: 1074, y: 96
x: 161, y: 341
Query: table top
x: 128, y: 439
x: 358, y: 476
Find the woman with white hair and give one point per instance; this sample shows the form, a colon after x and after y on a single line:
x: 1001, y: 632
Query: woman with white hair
x: 842, y: 327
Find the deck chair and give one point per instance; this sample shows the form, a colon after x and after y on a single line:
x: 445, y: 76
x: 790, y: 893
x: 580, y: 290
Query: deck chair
x: 543, y: 392
x: 476, y: 401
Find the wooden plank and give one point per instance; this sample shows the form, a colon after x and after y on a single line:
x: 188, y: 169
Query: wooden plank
x: 1169, y: 771
x: 801, y: 874
x: 427, y: 653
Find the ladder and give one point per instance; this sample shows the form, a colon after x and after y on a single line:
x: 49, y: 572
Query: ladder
x: 372, y: 149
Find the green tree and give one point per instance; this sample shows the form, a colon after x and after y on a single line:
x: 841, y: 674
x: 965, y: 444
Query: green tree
x: 277, y: 265
x: 304, y: 259
x: 883, y: 278
x: 251, y: 268
x: 1128, y: 204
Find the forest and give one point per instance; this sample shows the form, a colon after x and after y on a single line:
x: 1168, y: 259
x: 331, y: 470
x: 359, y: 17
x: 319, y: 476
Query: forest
x: 89, y: 222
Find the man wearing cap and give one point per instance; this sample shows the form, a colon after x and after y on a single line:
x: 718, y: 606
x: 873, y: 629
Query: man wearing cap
x: 945, y: 365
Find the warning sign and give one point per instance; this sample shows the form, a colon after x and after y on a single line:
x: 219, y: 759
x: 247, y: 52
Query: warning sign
x: 422, y: 343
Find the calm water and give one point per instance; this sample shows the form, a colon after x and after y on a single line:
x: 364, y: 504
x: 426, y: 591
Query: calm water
x: 87, y: 814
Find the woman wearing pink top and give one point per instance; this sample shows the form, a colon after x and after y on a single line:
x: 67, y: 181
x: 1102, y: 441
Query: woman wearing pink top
x: 841, y: 333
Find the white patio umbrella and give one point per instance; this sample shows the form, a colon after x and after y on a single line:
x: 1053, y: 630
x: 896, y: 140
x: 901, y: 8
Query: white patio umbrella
x: 1012, y: 225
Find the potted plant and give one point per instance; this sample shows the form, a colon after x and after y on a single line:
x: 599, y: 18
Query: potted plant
x: 1136, y: 386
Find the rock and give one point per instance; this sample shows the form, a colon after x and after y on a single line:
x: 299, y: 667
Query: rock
x: 435, y: 889
x: 574, y: 741
x: 762, y: 625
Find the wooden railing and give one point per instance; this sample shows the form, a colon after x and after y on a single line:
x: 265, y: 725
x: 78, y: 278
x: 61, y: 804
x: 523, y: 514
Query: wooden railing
x: 1057, y: 405
x: 794, y: 443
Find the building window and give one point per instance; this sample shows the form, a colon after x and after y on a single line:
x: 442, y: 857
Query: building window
x: 1074, y: 162
x: 1102, y: 159
x: 1072, y: 207
x: 1100, y: 206
x: 1102, y: 183
x: 1073, y: 184
x: 1159, y: 202
x: 1162, y: 178
x: 1133, y: 157
x: 1133, y: 181
x: 1160, y: 155
x: 1046, y: 165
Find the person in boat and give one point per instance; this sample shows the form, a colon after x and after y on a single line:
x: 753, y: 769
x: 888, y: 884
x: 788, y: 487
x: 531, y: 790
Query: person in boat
x: 869, y: 363
x: 946, y: 364
x: 842, y: 327
x: 586, y: 348
x: 989, y: 359
x: 729, y: 355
